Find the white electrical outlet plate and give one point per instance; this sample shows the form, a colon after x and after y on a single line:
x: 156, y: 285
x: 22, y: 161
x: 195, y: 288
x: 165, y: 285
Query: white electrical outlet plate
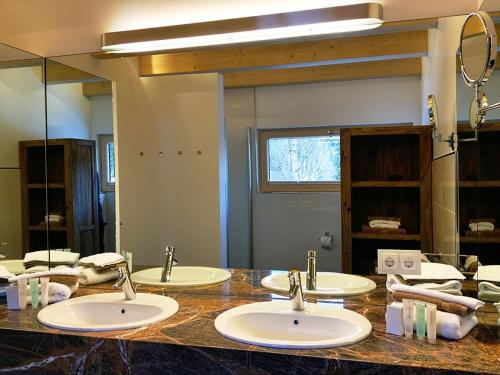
x: 401, y: 262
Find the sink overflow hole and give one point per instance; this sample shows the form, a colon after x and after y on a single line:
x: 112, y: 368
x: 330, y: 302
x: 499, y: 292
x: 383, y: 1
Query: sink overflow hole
x: 123, y: 311
x: 296, y: 322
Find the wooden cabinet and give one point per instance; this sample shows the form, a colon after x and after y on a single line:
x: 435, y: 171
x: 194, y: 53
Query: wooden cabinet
x: 61, y: 180
x: 386, y: 171
x: 479, y: 193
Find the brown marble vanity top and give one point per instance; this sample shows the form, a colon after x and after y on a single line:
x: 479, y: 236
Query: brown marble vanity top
x: 193, y: 326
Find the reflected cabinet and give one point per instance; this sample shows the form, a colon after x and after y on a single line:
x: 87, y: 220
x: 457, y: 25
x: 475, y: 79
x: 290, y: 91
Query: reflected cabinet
x: 71, y: 220
x: 386, y: 178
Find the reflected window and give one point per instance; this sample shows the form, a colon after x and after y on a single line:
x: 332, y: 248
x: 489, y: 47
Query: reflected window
x: 107, y: 162
x: 299, y: 160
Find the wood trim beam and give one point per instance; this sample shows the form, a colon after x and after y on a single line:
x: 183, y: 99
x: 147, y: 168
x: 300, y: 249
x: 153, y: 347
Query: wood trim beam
x: 337, y: 72
x: 60, y: 73
x: 96, y: 88
x: 299, y: 54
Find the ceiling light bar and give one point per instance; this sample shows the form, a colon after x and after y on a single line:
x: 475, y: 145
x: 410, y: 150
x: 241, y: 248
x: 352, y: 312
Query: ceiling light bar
x: 289, y: 25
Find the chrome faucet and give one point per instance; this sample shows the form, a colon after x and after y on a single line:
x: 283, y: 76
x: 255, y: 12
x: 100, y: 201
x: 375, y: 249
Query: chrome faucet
x: 124, y: 281
x: 295, y: 291
x: 311, y: 270
x: 169, y: 261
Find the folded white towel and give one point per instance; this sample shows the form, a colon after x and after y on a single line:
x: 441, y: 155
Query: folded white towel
x: 448, y: 325
x: 102, y: 260
x: 384, y: 222
x: 57, y: 292
x: 481, y: 226
x: 469, y: 302
x: 59, y: 256
x: 5, y: 274
x: 65, y: 271
x: 90, y: 276
x: 384, y: 226
x: 436, y: 271
x: 488, y: 273
x: 450, y: 287
x: 485, y: 286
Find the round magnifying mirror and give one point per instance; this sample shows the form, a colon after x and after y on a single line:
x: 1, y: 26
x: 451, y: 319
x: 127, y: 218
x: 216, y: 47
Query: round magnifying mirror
x: 478, y: 43
x: 476, y: 118
x: 432, y: 111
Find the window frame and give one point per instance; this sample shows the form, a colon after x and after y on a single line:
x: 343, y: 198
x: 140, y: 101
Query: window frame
x: 265, y: 187
x: 103, y: 140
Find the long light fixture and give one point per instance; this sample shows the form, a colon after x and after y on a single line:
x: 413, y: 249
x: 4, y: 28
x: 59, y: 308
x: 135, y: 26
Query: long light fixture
x: 288, y: 25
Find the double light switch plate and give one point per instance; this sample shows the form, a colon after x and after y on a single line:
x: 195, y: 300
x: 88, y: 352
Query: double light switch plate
x: 400, y: 262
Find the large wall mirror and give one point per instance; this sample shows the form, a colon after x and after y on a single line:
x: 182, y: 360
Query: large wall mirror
x: 479, y: 162
x: 22, y: 118
x: 80, y: 161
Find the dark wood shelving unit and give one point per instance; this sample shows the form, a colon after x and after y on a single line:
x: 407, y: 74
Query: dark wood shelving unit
x: 479, y: 193
x: 386, y: 171
x: 68, y: 185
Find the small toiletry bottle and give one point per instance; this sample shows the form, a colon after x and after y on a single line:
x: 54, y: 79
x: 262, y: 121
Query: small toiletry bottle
x: 420, y: 318
x: 22, y: 290
x: 430, y: 312
x: 394, y: 321
x: 34, y: 292
x: 408, y: 307
x: 44, y: 291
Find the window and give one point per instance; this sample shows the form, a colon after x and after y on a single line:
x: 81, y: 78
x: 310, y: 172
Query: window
x: 107, y: 162
x: 299, y: 160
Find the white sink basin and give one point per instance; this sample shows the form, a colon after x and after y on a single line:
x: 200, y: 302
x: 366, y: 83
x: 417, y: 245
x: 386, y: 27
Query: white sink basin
x: 275, y: 324
x: 107, y: 312
x: 182, y: 276
x: 327, y: 284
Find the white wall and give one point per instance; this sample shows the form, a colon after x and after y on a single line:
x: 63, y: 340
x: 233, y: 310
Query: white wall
x: 68, y: 111
x: 101, y: 122
x: 287, y: 225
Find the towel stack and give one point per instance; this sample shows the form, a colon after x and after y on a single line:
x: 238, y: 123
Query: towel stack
x: 383, y: 224
x: 38, y: 261
x: 99, y: 268
x: 489, y: 282
x: 433, y: 276
x: 54, y: 218
x: 63, y: 283
x: 482, y: 227
x: 456, y: 314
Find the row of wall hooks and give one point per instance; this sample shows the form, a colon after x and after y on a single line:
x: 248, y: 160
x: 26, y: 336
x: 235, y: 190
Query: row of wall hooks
x: 161, y: 153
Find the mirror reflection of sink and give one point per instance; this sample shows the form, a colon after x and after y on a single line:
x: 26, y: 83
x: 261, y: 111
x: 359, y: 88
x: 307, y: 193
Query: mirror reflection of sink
x: 14, y: 266
x: 275, y: 324
x: 182, y: 276
x: 107, y: 312
x: 327, y: 284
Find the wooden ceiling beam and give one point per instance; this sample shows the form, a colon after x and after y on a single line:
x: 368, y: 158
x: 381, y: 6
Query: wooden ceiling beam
x: 299, y: 54
x: 101, y: 88
x: 337, y: 72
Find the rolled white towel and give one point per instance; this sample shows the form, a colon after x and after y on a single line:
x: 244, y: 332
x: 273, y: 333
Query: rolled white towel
x: 90, y: 276
x: 450, y: 287
x: 102, y: 260
x: 57, y: 292
x: 497, y: 305
x: 384, y: 226
x: 64, y: 271
x: 469, y: 302
x: 481, y: 226
x: 486, y: 286
x: 448, y: 325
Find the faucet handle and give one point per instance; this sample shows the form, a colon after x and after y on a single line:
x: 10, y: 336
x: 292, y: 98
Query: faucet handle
x: 295, y: 281
x: 170, y: 251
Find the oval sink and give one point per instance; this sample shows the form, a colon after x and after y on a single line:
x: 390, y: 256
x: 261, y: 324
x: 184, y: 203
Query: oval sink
x: 327, y: 284
x: 275, y: 324
x: 182, y: 276
x: 107, y: 312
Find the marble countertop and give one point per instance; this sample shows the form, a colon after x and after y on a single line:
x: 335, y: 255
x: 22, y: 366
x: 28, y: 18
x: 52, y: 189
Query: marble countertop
x: 193, y: 326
